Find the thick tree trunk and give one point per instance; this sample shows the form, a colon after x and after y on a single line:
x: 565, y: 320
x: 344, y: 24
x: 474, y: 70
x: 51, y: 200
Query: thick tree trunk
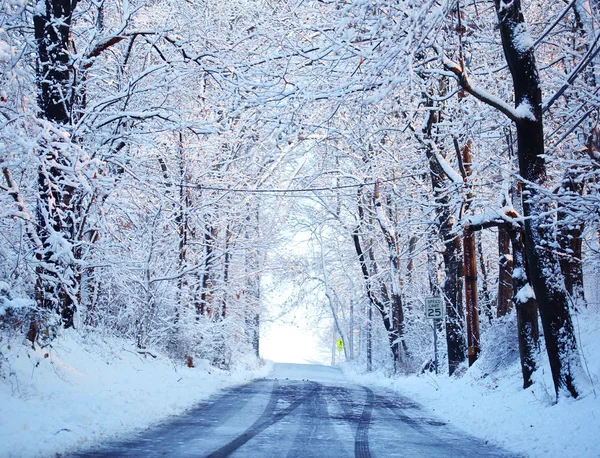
x: 412, y: 244
x: 397, y: 308
x: 505, y: 269
x: 453, y: 293
x: 205, y: 305
x: 469, y: 260
x: 570, y: 239
x: 485, y: 290
x: 226, y: 266
x: 182, y: 226
x: 53, y: 34
x: 369, y: 270
x: 374, y: 300
x: 471, y: 302
x: 544, y: 269
x: 56, y: 287
x: 252, y: 315
x: 453, y: 284
x: 526, y: 305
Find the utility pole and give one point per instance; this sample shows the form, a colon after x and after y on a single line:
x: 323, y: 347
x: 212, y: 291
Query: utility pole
x: 369, y: 338
x: 351, y: 333
x: 333, y: 345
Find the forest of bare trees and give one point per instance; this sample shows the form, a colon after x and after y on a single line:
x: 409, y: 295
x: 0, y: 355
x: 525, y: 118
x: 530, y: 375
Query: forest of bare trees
x: 158, y: 156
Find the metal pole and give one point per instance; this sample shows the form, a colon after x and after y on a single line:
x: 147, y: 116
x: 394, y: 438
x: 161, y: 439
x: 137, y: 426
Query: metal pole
x: 435, y: 347
x: 333, y: 345
x: 351, y: 336
x: 369, y: 339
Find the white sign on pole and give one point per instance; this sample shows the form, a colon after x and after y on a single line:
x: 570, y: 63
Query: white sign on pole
x: 434, y: 308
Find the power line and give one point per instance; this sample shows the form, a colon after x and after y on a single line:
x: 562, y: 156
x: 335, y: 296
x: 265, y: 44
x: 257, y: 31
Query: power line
x: 297, y: 190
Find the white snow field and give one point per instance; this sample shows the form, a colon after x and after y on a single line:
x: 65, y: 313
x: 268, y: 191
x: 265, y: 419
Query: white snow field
x: 87, y: 390
x: 84, y: 391
x: 489, y: 401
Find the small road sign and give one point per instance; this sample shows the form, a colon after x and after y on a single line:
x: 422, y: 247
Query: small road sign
x: 434, y: 308
x: 340, y: 344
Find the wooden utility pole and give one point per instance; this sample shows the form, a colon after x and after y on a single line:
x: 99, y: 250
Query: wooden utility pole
x: 471, y: 302
x: 369, y: 337
x: 469, y: 258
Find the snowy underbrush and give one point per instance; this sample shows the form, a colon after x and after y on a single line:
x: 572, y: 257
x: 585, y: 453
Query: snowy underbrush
x: 87, y: 389
x: 488, y: 400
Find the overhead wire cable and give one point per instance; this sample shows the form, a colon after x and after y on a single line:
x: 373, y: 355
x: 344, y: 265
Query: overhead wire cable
x: 296, y: 190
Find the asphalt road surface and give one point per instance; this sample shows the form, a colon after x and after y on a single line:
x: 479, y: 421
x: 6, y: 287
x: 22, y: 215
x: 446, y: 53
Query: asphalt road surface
x: 302, y: 411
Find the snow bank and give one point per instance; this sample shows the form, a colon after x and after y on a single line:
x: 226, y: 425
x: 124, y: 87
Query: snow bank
x: 488, y: 400
x: 85, y: 390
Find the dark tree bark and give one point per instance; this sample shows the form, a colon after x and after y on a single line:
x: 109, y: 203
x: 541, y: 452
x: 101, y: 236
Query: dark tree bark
x: 485, y: 290
x: 471, y: 300
x: 544, y: 269
x: 570, y: 239
x: 453, y: 284
x: 204, y: 307
x: 53, y: 36
x: 226, y: 266
x: 56, y: 288
x: 523, y: 297
x: 453, y: 293
x: 527, y: 310
x: 252, y: 315
x: 469, y: 260
x: 374, y: 290
x: 397, y: 308
x: 374, y: 300
x: 505, y: 269
x: 412, y: 245
x: 182, y: 221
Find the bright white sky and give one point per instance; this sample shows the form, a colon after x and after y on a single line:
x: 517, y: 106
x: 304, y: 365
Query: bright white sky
x: 292, y: 343
x: 291, y: 339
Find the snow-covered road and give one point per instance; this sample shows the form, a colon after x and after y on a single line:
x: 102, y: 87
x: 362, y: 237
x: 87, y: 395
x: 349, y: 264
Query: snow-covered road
x: 303, y: 411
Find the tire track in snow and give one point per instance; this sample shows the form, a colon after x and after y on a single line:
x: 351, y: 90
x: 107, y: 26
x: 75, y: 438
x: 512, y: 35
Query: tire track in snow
x: 314, y: 409
x: 346, y: 399
x: 361, y: 441
x: 268, y: 418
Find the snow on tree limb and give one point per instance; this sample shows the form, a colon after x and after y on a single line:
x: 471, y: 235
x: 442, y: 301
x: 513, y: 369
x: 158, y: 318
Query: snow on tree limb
x: 461, y: 77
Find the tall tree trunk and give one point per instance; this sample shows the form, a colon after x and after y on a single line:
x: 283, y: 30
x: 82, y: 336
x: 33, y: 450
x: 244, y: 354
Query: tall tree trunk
x: 453, y: 293
x: 544, y: 269
x: 471, y: 302
x: 570, y: 239
x: 369, y: 270
x: 52, y: 26
x: 252, y: 315
x: 182, y: 222
x: 412, y: 245
x: 469, y: 259
x: 55, y: 284
x: 205, y: 305
x: 226, y: 266
x: 397, y: 308
x: 526, y: 305
x: 483, y: 268
x: 505, y: 269
x: 453, y: 284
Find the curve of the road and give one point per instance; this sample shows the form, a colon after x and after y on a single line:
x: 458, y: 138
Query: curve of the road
x: 302, y: 411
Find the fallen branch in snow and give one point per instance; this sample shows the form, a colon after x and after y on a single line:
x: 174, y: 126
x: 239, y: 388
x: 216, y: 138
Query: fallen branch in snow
x: 146, y: 353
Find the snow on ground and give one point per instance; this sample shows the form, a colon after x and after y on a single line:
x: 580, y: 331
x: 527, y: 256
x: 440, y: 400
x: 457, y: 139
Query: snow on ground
x: 494, y: 406
x: 85, y: 390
